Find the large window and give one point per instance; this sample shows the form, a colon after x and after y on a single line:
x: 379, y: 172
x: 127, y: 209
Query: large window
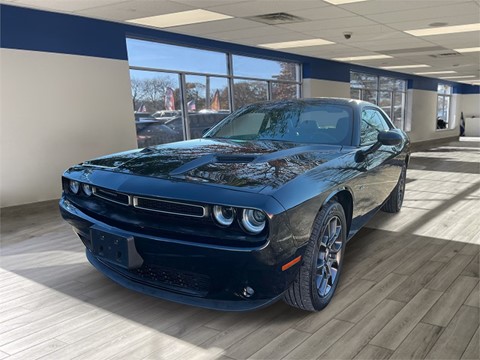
x: 444, y: 101
x: 154, y: 55
x: 388, y: 93
x: 179, y: 92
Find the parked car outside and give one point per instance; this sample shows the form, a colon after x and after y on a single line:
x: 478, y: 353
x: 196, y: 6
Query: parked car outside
x: 166, y: 115
x: 259, y: 209
x: 143, y: 116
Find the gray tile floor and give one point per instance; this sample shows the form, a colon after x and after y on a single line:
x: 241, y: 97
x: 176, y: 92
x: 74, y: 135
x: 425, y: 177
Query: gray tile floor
x: 410, y: 289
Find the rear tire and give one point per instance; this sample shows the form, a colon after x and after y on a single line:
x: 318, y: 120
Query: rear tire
x: 319, y: 273
x: 395, y: 200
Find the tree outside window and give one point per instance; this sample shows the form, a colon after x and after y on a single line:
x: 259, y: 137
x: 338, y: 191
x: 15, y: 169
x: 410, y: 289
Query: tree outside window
x: 386, y: 92
x: 178, y: 91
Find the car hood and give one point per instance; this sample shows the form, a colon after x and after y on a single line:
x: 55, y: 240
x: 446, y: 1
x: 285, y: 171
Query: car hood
x: 251, y: 165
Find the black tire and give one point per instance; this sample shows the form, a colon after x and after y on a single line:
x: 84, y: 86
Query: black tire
x: 313, y: 289
x: 395, y: 200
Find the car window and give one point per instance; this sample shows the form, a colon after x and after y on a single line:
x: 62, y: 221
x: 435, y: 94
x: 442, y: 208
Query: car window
x: 299, y: 122
x: 372, y: 123
x: 246, y: 126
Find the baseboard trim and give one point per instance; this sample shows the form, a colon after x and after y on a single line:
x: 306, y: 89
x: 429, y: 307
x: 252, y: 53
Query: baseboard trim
x: 422, y: 145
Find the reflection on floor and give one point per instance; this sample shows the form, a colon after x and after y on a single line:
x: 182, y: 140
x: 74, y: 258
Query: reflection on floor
x: 409, y: 289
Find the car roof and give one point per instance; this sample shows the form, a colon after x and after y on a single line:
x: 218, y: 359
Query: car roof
x: 320, y: 100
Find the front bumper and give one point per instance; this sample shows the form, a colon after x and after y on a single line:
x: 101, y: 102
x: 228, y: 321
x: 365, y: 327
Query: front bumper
x: 196, y: 274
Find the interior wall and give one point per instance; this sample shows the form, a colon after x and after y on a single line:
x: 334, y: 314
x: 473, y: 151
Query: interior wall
x: 423, y: 115
x: 317, y: 87
x: 58, y: 110
x: 471, y: 105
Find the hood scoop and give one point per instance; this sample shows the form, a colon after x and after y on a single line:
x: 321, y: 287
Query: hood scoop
x: 211, y: 159
x: 249, y: 158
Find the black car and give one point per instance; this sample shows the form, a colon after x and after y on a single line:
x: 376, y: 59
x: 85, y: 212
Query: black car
x: 257, y: 210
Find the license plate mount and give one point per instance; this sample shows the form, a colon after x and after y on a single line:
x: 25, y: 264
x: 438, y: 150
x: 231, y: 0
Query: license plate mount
x: 115, y: 248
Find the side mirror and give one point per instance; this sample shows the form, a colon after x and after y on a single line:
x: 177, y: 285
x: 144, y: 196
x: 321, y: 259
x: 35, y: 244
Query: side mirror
x: 390, y: 138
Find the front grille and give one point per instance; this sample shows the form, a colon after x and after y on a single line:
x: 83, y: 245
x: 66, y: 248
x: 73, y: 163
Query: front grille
x: 195, y: 284
x: 113, y: 196
x: 151, y: 204
x: 169, y: 207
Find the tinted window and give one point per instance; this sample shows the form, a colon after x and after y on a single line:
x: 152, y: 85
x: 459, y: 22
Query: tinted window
x: 372, y: 123
x: 295, y: 122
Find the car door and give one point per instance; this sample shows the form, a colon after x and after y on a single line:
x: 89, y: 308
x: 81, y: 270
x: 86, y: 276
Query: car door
x: 379, y: 170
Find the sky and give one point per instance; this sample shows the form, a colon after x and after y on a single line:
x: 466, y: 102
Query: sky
x: 171, y: 57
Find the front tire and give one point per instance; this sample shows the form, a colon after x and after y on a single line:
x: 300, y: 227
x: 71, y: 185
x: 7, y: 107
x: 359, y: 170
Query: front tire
x: 320, y: 271
x: 395, y: 200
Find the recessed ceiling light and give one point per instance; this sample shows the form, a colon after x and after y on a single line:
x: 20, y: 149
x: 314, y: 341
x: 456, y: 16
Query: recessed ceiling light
x: 467, y: 50
x: 296, y: 44
x: 458, y: 77
x: 444, y: 30
x: 404, y: 67
x: 365, y: 57
x: 436, y: 72
x: 180, y: 18
x: 341, y: 2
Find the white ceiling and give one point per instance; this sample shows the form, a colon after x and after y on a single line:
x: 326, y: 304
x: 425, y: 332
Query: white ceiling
x: 376, y: 25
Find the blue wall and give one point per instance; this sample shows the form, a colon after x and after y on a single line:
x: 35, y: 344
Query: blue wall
x: 28, y: 29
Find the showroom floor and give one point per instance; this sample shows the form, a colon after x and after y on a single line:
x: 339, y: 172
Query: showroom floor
x: 410, y: 289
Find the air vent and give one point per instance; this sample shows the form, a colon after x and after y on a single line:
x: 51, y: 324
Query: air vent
x: 276, y: 18
x: 447, y: 54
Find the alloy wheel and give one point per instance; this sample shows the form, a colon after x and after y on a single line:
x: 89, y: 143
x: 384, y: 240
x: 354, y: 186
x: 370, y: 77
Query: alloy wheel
x: 329, y: 256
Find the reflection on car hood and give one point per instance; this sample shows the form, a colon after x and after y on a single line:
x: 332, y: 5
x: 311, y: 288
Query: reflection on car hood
x: 244, y: 164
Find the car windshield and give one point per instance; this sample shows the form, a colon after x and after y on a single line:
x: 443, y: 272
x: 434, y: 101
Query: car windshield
x: 300, y: 122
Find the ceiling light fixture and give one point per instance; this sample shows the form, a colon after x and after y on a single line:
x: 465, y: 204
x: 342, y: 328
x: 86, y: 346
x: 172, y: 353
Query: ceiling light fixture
x: 444, y: 30
x: 458, y: 77
x: 365, y: 57
x: 180, y: 18
x: 341, y: 2
x: 296, y: 44
x: 436, y: 72
x: 467, y: 50
x: 404, y: 66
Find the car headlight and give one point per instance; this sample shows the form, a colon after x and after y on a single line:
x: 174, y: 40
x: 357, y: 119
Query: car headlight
x: 224, y: 215
x: 74, y: 186
x: 253, y: 221
x: 87, y: 189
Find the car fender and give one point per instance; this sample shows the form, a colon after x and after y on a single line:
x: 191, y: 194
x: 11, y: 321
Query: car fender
x: 335, y: 192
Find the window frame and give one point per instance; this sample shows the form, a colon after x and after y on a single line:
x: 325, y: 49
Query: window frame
x: 230, y: 76
x: 378, y: 90
x: 444, y: 95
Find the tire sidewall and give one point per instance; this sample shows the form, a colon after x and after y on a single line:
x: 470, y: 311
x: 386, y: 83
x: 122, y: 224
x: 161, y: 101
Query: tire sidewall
x: 401, y: 187
x: 333, y: 209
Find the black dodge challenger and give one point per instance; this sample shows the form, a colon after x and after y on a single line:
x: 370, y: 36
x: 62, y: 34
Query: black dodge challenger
x: 259, y: 209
